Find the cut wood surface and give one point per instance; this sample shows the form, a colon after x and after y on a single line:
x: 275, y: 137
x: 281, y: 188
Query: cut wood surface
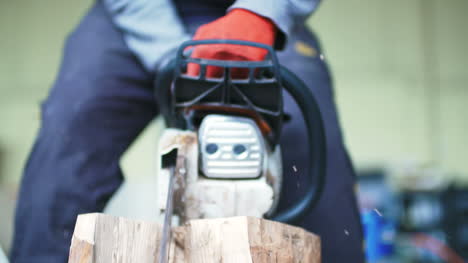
x: 100, y: 238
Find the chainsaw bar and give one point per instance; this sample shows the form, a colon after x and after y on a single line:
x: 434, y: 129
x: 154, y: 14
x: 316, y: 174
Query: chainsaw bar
x: 177, y: 169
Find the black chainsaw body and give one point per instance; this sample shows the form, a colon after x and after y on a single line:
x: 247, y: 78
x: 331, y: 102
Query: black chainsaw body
x: 184, y: 100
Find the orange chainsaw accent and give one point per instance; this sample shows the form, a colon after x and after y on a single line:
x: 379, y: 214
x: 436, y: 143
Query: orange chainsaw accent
x: 262, y: 124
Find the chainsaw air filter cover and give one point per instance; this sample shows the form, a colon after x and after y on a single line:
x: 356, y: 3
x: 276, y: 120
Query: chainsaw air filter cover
x: 231, y: 147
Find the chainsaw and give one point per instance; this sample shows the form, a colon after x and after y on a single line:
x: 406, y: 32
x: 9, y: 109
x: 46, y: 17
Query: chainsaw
x: 220, y: 154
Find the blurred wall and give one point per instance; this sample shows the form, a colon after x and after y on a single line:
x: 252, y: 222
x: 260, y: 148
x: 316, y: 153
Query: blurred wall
x: 400, y: 69
x: 31, y: 39
x: 401, y: 73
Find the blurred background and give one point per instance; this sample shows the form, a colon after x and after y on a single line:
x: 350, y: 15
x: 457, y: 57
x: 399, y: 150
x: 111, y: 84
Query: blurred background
x: 400, y: 71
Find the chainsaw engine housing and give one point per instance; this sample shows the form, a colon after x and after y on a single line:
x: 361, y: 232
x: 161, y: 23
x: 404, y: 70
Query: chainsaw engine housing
x: 250, y: 189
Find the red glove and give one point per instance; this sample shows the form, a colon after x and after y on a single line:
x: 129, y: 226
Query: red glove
x: 238, y: 24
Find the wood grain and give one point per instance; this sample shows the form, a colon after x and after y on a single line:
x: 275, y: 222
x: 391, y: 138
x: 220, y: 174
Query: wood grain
x: 100, y: 238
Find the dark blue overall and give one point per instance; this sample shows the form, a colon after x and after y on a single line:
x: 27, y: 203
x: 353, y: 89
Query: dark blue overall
x: 103, y: 98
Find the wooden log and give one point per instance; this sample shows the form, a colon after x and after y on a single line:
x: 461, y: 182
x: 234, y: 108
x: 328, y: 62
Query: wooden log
x: 100, y: 238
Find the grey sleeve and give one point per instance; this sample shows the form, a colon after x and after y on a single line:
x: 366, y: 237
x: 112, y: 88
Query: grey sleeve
x: 150, y: 27
x: 284, y: 13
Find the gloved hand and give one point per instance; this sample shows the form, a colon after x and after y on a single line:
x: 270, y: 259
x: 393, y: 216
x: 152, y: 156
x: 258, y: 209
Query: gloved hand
x: 239, y: 24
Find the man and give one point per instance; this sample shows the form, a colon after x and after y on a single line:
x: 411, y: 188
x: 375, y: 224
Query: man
x: 103, y: 98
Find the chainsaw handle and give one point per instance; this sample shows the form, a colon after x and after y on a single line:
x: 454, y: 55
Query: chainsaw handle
x: 259, y: 93
x: 181, y: 56
x: 316, y: 144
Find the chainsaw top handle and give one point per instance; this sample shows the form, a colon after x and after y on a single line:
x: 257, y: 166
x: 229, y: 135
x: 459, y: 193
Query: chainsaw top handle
x: 182, y: 98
